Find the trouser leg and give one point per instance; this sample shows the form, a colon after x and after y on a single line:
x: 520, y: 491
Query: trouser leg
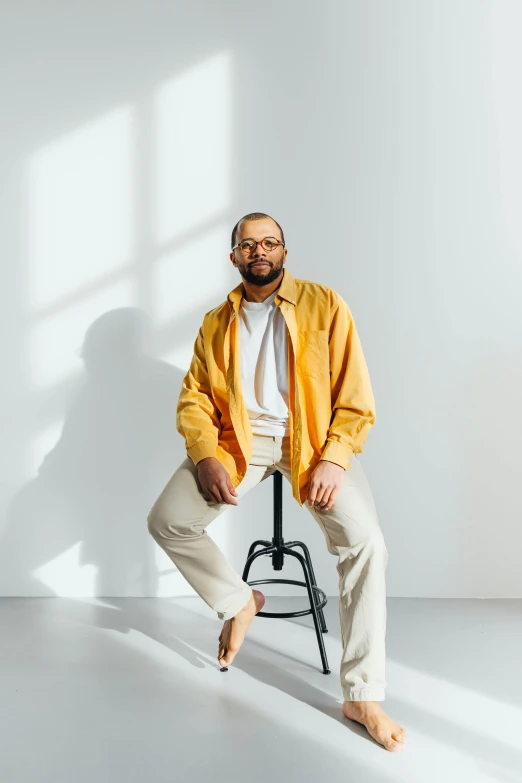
x: 352, y: 532
x: 177, y: 522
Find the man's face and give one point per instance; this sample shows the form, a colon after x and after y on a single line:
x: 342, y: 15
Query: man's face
x: 259, y: 266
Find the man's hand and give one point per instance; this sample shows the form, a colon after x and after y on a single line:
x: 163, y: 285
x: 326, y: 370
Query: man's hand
x: 325, y: 482
x: 215, y: 481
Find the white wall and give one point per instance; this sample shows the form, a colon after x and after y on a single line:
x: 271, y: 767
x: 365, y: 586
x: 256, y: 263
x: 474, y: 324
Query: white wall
x: 385, y: 138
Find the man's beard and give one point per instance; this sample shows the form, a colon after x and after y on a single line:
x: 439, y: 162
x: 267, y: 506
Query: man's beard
x: 263, y: 276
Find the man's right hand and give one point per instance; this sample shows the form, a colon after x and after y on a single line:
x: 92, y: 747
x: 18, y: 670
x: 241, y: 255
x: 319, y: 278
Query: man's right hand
x: 215, y: 481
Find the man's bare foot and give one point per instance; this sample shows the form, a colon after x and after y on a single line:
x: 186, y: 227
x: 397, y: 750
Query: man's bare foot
x: 379, y: 725
x: 234, y: 630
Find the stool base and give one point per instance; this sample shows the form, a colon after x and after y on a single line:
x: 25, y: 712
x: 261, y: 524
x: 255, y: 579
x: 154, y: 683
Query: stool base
x: 317, y: 598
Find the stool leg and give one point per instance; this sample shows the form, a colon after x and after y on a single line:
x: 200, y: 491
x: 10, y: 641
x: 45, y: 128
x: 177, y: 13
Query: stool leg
x: 250, y: 559
x: 306, y: 552
x: 253, y: 546
x: 313, y: 606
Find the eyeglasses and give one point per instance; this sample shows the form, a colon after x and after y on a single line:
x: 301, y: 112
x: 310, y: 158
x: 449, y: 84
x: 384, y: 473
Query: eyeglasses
x: 247, y: 245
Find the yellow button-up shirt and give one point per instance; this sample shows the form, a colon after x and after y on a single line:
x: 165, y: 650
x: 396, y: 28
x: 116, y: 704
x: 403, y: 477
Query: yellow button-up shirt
x: 331, y: 402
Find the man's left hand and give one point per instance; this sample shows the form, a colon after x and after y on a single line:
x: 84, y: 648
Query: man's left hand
x: 325, y: 482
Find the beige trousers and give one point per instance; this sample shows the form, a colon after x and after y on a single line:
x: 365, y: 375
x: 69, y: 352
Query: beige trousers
x: 178, y: 519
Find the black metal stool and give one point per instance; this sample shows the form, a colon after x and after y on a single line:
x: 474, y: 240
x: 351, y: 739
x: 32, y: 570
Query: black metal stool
x: 278, y: 549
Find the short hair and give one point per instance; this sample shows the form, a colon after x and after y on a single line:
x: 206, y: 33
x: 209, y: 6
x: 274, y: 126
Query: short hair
x: 254, y: 216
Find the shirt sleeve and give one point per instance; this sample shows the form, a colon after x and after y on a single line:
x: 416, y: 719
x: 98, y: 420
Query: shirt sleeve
x: 353, y: 404
x: 197, y: 417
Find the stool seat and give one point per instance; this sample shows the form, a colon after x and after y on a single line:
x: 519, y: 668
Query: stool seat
x: 277, y: 549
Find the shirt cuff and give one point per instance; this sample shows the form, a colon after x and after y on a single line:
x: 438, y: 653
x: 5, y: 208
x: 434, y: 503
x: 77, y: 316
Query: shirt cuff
x: 338, y: 453
x: 200, y: 450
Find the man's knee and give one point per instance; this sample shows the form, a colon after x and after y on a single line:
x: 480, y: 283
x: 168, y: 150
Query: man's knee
x: 372, y: 544
x: 376, y: 544
x: 155, y: 523
x: 165, y: 523
x: 170, y: 513
x: 162, y: 525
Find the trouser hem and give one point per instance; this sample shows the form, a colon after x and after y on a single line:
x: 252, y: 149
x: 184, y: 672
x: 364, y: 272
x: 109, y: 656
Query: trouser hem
x: 366, y: 694
x: 242, y: 600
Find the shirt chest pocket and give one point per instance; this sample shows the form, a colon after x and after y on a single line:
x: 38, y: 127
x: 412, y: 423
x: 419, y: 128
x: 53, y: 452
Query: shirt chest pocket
x: 314, y: 357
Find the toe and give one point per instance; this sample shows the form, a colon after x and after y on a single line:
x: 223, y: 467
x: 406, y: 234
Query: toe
x: 229, y: 656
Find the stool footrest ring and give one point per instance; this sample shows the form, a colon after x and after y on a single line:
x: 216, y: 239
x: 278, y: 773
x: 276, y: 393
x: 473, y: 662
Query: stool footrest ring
x: 322, y: 597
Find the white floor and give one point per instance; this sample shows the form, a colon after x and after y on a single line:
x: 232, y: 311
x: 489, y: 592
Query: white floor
x: 130, y: 690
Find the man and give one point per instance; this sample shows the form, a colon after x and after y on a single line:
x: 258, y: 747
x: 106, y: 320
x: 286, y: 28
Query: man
x: 278, y: 381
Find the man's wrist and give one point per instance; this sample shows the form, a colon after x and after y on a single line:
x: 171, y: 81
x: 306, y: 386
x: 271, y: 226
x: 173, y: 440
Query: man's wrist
x: 205, y: 459
x: 332, y: 463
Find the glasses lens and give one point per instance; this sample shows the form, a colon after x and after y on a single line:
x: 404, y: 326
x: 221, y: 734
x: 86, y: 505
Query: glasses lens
x: 269, y: 243
x: 247, y: 245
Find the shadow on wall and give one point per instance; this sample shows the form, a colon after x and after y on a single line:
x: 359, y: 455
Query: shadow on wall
x: 118, y: 447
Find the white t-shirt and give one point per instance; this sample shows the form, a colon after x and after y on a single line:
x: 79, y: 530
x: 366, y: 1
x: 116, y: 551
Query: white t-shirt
x: 264, y: 370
